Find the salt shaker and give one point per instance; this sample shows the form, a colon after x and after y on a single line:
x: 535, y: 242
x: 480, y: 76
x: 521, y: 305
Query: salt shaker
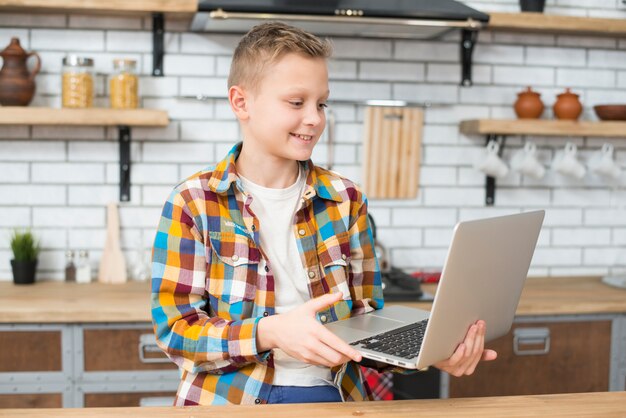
x: 83, y: 269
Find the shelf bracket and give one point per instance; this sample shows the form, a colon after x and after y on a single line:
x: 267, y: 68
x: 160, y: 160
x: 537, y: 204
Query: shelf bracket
x: 124, y: 139
x: 468, y: 40
x: 158, y: 35
x: 490, y: 182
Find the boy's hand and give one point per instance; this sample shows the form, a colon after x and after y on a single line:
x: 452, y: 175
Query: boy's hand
x: 299, y: 334
x: 468, y: 353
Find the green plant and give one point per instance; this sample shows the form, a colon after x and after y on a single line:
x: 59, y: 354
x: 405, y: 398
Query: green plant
x: 25, y: 246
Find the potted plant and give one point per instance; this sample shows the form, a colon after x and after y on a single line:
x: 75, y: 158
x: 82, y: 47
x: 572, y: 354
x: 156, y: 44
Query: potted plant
x: 25, y: 252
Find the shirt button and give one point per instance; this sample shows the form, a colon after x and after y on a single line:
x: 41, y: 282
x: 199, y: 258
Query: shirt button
x: 266, y: 313
x: 311, y: 273
x: 267, y: 269
x: 302, y: 232
x: 323, y: 318
x: 235, y: 257
x: 343, y: 256
x: 257, y: 401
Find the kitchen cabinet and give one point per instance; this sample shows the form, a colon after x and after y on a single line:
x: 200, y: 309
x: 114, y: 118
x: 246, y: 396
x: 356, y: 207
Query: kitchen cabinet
x: 543, y: 357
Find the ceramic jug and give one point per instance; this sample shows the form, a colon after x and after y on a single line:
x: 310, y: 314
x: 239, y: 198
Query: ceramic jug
x: 567, y: 106
x: 528, y: 104
x: 17, y: 85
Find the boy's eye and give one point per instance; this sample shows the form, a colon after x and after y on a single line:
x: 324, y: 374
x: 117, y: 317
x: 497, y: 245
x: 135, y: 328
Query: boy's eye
x: 323, y: 105
x: 296, y: 103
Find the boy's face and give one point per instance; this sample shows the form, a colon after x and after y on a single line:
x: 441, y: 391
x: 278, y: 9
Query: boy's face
x: 285, y: 117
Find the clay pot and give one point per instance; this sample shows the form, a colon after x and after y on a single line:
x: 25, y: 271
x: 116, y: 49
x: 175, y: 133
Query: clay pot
x: 528, y: 104
x: 17, y: 85
x: 567, y: 106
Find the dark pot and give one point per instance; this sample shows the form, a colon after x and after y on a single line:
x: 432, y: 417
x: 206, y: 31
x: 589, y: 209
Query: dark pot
x: 532, y: 5
x: 24, y: 271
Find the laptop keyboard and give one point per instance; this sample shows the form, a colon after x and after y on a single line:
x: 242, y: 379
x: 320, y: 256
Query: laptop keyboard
x: 402, y: 342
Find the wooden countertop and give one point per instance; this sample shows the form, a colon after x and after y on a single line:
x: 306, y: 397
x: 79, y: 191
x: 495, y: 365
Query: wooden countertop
x: 601, y: 404
x: 58, y: 302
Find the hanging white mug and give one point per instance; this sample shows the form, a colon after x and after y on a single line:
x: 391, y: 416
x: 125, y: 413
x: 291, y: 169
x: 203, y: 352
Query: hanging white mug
x: 602, y: 163
x: 525, y: 161
x: 566, y: 162
x: 491, y: 164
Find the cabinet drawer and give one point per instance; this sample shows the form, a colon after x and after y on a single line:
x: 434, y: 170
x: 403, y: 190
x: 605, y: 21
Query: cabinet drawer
x: 556, y: 357
x: 30, y: 351
x: 39, y: 400
x: 100, y: 400
x: 122, y: 349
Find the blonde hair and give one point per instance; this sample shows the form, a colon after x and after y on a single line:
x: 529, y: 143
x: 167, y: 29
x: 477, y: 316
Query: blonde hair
x: 265, y: 44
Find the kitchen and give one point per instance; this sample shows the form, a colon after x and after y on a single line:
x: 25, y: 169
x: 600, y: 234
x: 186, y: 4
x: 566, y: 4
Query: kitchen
x: 60, y: 172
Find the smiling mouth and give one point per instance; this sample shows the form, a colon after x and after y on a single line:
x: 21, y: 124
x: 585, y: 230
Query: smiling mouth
x: 303, y: 137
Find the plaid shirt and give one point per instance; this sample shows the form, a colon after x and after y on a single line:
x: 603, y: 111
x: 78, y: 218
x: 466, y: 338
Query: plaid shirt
x: 212, y: 283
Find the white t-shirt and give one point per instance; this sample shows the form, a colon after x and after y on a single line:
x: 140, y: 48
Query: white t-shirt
x: 275, y: 209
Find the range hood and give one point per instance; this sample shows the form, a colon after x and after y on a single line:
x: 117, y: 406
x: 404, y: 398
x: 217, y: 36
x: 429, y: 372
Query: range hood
x: 411, y: 19
x: 408, y: 19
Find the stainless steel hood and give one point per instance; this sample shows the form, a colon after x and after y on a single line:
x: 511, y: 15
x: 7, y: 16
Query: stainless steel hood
x: 412, y: 19
x: 409, y: 19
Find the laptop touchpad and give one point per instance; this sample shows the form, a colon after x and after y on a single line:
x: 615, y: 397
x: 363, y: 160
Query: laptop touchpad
x: 374, y: 324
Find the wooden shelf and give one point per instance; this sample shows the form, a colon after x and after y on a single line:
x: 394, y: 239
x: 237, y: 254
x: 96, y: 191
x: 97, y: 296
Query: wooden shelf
x: 116, y: 7
x: 14, y: 115
x: 570, y: 25
x: 606, y: 129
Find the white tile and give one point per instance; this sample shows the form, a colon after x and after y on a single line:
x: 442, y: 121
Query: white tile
x: 212, y: 87
x: 614, y: 96
x: 550, y: 257
x: 179, y: 152
x: 391, y: 71
x: 155, y: 195
x: 481, y: 74
x: 14, y: 132
x: 453, y: 196
x: 169, y: 133
x: 32, y: 151
x: 619, y: 236
x: 99, y: 151
x: 341, y: 69
x: 15, y: 216
x: 145, y: 174
x: 348, y: 132
x: 456, y: 113
x: 451, y: 156
x: 21, y: 34
x: 95, y: 238
x: 158, y: 86
x: 223, y: 66
x: 68, y: 173
x: 430, y: 93
x: 586, y: 41
x: 523, y: 38
x: 399, y: 237
x: 101, y: 195
x: 498, y: 54
x: 50, y: 260
x: 33, y: 195
x: 140, y: 217
x: 607, y: 59
x: 422, y: 258
x: 198, y: 65
x: 50, y: 239
x: 577, y: 271
x: 361, y: 48
x: 605, y: 217
x: 181, y: 109
x: 517, y: 197
x: 68, y: 132
x: 68, y: 217
x: 581, y: 197
x: 582, y: 237
x: 423, y: 217
x: 570, y: 77
x: 439, y: 134
x: 14, y: 172
x: 468, y: 214
x: 67, y: 40
x: 381, y: 215
x: 103, y: 22
x: 209, y: 43
x: 427, y: 51
x: 437, y: 237
x: 561, y: 57
x: 604, y: 257
x: 209, y: 131
x: 621, y: 79
x: 535, y: 76
x: 563, y: 217
x: 437, y: 176
x: 489, y: 95
x: 138, y: 41
x: 347, y: 90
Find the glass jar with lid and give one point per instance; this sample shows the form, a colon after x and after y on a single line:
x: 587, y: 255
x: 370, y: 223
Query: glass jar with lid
x: 123, y: 84
x: 77, y: 82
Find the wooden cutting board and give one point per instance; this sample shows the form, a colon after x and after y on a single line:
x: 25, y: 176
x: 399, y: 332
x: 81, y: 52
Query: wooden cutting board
x: 392, y: 148
x: 112, y: 264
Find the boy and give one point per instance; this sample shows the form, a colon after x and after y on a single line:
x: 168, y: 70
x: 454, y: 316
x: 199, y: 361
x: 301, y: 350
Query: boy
x: 253, y: 255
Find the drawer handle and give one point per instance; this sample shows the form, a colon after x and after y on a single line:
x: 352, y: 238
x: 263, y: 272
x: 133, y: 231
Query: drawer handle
x: 147, y: 344
x: 531, y: 336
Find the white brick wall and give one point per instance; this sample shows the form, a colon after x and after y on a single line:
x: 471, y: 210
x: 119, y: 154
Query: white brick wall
x: 57, y: 180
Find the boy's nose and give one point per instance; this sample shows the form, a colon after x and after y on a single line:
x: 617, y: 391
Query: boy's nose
x: 313, y: 116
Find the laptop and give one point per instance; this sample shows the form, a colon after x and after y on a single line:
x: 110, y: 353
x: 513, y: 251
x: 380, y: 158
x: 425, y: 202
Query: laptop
x: 482, y: 278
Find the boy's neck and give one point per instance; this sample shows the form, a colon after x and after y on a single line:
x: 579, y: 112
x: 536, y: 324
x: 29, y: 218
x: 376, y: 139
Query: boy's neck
x: 266, y: 170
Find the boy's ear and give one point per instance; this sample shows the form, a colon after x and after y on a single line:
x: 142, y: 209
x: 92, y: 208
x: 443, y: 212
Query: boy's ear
x: 238, y: 97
